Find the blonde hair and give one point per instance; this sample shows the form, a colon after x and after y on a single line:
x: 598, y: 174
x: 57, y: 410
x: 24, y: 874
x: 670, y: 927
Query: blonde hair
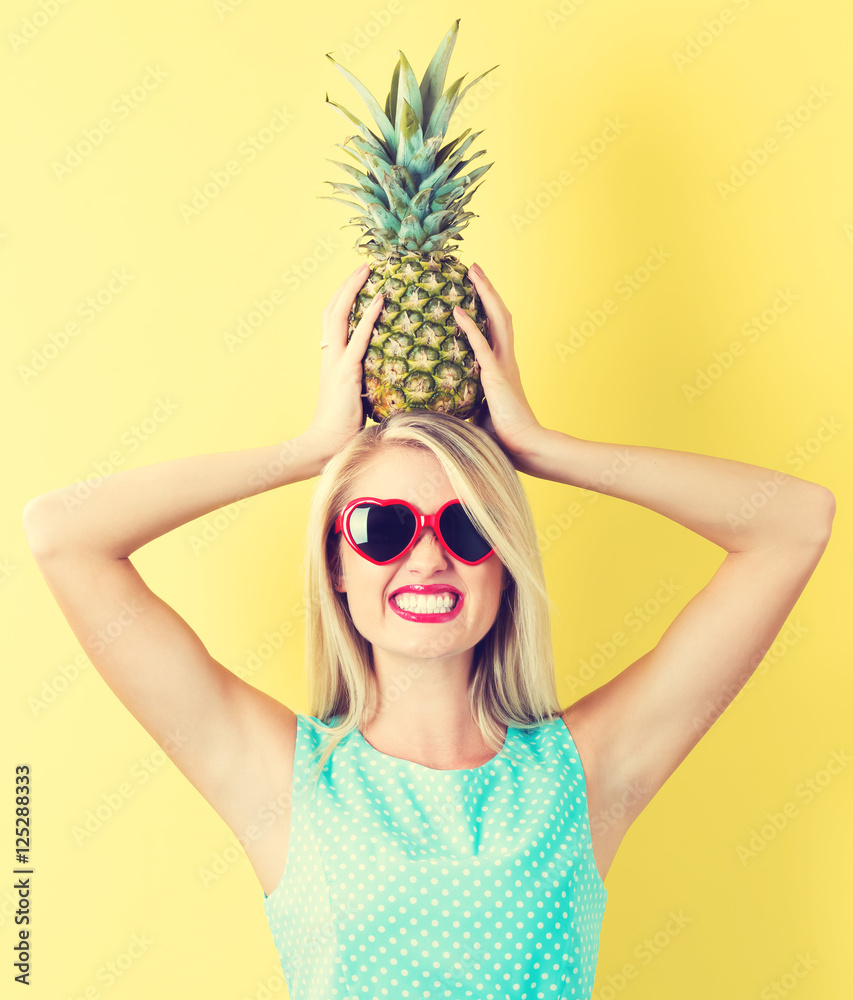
x: 513, y: 670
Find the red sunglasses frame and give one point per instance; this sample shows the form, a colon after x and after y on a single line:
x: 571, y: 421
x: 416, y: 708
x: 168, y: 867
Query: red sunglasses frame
x: 422, y: 521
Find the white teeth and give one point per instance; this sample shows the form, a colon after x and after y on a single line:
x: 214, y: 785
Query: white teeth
x: 425, y: 603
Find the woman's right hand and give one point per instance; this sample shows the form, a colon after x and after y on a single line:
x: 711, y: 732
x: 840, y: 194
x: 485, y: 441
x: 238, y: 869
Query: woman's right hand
x: 339, y: 415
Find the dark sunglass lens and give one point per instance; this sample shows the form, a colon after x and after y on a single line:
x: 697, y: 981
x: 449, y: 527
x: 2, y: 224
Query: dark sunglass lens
x: 461, y: 535
x: 382, y: 532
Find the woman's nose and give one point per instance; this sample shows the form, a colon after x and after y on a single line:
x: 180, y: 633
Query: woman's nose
x: 428, y: 549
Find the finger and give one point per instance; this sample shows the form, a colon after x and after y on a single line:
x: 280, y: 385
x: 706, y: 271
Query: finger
x: 338, y: 345
x: 479, y: 343
x: 339, y: 290
x: 348, y: 286
x: 494, y: 305
x: 364, y: 329
x: 336, y: 321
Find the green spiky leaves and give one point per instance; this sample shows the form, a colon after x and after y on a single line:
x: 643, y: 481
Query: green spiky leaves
x: 410, y: 188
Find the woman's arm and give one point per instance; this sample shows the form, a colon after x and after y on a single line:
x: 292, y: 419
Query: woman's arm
x: 634, y: 731
x: 733, y: 504
x: 736, y: 505
x: 231, y: 740
x: 127, y: 509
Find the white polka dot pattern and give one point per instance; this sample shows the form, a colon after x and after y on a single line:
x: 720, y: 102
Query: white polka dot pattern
x: 404, y: 881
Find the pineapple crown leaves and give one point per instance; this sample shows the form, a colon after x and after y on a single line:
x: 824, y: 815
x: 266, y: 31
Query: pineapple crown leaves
x: 410, y: 190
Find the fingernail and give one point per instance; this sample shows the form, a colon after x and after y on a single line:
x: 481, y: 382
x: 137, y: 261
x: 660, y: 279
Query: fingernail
x: 476, y: 269
x: 376, y: 298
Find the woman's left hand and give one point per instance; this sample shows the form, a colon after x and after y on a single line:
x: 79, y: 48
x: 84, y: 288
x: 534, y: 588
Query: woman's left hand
x: 506, y: 415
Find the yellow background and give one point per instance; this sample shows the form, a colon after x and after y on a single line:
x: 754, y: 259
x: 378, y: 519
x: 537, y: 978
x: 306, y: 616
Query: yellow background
x: 151, y: 377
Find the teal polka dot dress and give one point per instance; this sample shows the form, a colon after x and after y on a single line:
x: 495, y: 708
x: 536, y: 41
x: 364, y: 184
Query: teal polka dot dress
x: 403, y: 881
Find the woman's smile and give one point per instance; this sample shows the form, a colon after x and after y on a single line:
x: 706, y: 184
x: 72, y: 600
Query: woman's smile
x: 427, y: 607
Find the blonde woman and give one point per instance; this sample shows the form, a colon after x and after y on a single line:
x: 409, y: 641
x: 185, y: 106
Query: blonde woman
x: 442, y: 826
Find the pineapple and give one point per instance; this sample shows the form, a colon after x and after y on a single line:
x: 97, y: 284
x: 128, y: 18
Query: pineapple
x: 411, y: 193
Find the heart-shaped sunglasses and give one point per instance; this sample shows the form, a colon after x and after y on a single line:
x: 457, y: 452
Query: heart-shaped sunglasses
x: 384, y: 530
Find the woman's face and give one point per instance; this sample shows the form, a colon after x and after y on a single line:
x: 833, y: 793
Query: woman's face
x: 416, y: 476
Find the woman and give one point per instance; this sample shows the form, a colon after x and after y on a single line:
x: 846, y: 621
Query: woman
x: 456, y: 839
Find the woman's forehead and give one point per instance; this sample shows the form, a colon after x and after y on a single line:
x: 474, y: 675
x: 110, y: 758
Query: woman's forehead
x: 412, y: 475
